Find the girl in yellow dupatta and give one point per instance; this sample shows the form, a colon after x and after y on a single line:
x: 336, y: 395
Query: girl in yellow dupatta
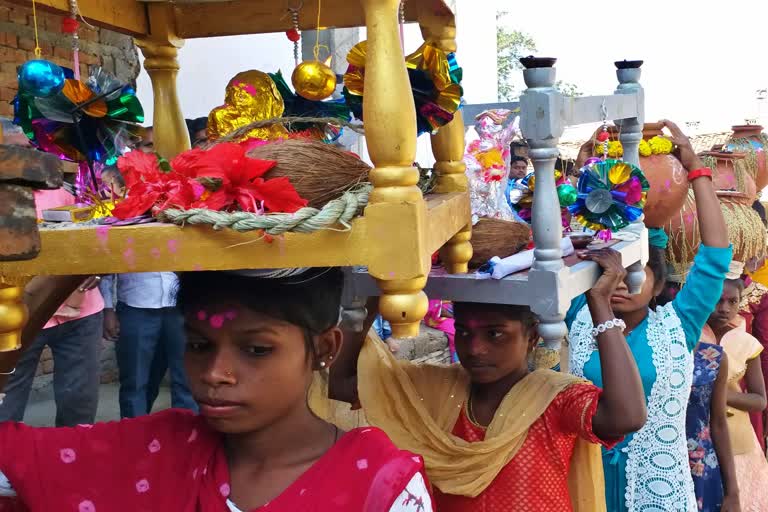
x: 495, y: 437
x: 726, y: 328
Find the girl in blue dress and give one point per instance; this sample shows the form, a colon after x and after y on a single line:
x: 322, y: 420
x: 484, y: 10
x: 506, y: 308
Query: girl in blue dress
x: 709, y: 445
x: 649, y: 470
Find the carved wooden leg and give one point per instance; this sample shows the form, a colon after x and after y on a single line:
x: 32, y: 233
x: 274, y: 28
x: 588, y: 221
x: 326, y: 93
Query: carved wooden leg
x: 448, y: 148
x: 13, y: 315
x: 542, y: 127
x: 390, y: 118
x: 160, y: 50
x: 630, y: 136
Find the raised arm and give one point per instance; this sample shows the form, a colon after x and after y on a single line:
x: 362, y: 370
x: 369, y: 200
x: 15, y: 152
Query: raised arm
x: 711, y: 222
x: 753, y: 398
x: 621, y: 408
x: 722, y: 439
x: 342, y: 384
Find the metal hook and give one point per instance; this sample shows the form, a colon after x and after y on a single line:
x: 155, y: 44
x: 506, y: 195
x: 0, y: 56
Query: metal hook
x: 604, y: 111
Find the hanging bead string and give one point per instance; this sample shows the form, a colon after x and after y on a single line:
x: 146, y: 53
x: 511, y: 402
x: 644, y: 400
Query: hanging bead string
x: 70, y: 25
x: 402, y: 24
x: 38, y: 50
x: 295, y: 34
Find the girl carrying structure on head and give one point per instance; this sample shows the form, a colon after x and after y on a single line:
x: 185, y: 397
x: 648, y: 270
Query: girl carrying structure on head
x: 649, y: 470
x: 495, y: 436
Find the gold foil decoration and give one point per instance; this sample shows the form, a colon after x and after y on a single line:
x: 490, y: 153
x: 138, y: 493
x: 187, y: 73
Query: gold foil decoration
x: 250, y: 96
x: 314, y: 80
x: 427, y: 58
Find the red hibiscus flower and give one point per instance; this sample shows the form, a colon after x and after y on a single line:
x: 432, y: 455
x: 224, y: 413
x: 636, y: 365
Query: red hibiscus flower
x: 150, y: 188
x: 241, y: 181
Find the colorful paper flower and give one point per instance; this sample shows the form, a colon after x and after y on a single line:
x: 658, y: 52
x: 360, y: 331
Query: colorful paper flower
x: 611, y: 194
x: 222, y: 178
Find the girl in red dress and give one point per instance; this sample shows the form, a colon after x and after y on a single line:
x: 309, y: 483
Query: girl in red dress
x: 254, y: 347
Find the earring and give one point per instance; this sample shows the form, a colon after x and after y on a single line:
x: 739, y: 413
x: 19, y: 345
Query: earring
x: 323, y: 364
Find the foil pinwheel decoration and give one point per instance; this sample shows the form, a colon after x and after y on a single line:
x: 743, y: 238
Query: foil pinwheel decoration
x: 90, y: 122
x: 520, y: 196
x: 611, y: 195
x: 435, y: 78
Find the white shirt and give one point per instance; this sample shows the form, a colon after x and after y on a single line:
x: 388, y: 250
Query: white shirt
x: 145, y: 290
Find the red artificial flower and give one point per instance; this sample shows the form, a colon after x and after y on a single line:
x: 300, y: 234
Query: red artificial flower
x: 242, y: 183
x: 150, y: 188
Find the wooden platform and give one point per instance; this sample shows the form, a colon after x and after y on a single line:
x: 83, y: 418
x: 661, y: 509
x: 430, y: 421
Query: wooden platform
x: 400, y: 247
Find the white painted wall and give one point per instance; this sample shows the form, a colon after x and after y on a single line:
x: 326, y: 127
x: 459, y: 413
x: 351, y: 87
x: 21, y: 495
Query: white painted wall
x: 208, y: 64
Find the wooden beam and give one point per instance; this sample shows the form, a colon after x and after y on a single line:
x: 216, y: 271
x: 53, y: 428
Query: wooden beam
x: 125, y: 16
x: 212, y: 19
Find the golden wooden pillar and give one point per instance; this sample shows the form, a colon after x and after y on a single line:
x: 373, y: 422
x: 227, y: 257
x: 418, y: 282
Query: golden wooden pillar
x: 13, y: 313
x: 390, y: 121
x: 439, y: 29
x: 160, y: 49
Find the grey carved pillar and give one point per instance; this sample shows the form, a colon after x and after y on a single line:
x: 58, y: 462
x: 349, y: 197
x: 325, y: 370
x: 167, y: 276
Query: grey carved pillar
x: 542, y: 126
x: 630, y: 135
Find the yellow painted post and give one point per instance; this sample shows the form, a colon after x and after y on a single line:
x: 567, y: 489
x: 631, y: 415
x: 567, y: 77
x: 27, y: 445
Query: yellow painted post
x: 160, y: 49
x: 390, y: 120
x: 13, y: 313
x: 448, y: 144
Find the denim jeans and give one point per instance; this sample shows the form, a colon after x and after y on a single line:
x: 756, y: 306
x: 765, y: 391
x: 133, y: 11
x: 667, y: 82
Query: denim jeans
x: 76, y: 350
x: 151, y: 341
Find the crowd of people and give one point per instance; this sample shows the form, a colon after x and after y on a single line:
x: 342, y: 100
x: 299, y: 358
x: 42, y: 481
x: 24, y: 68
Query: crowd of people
x: 651, y: 410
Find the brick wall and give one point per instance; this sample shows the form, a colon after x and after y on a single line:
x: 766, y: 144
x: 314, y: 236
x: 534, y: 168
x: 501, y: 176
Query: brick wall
x: 115, y: 52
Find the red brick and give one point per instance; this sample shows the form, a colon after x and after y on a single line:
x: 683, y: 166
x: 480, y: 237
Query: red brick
x: 8, y: 80
x: 88, y: 34
x: 7, y: 93
x: 19, y: 15
x: 5, y: 13
x: 6, y: 109
x: 62, y: 52
x: 26, y: 44
x: 87, y: 58
x: 9, y: 40
x: 13, y: 55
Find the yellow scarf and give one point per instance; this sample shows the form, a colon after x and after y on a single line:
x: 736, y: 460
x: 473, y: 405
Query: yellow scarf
x: 418, y: 405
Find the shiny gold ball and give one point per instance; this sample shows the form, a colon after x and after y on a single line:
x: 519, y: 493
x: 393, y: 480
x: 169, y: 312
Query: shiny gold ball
x: 313, y: 80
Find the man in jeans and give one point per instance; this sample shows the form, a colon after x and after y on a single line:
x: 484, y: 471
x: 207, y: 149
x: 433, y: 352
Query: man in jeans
x: 149, y: 329
x: 74, y: 336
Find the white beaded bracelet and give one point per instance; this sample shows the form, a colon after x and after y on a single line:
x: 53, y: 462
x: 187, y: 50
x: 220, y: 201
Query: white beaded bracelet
x: 610, y: 324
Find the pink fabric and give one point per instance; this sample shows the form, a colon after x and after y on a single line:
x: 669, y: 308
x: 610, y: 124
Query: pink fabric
x: 93, y: 302
x: 171, y: 461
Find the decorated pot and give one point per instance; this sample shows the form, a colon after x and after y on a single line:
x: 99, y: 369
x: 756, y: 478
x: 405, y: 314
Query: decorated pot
x: 749, y: 139
x: 730, y: 173
x: 668, y: 180
x: 745, y: 230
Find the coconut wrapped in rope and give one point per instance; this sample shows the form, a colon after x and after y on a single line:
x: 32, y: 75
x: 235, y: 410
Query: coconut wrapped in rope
x: 319, y: 172
x: 496, y: 237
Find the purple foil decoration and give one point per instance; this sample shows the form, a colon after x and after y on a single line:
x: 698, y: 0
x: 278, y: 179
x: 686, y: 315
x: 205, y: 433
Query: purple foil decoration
x: 605, y: 235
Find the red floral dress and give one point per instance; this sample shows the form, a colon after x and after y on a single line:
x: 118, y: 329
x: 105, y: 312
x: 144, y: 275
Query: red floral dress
x: 536, y: 479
